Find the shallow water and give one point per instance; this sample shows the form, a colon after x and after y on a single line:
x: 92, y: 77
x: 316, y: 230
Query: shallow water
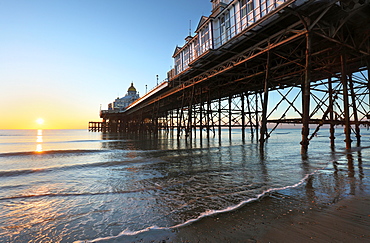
x: 72, y: 185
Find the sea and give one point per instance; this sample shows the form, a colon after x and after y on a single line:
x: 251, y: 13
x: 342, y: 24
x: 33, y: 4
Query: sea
x: 81, y: 186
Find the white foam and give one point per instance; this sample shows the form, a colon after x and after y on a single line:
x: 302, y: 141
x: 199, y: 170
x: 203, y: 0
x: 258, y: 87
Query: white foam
x: 128, y: 232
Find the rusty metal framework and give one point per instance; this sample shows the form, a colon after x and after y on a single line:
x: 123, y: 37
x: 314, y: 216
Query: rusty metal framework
x: 315, y: 57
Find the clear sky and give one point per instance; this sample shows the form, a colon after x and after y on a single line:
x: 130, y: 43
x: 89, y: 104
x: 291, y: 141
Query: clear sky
x: 61, y: 59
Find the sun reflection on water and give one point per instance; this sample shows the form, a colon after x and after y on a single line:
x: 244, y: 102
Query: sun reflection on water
x: 39, y: 141
x: 33, y: 213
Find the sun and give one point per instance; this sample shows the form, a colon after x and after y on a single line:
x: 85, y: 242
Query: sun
x: 40, y: 121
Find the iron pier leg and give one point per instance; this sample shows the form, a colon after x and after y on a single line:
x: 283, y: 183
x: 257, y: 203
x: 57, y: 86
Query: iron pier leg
x: 172, y: 122
x: 178, y: 122
x: 104, y: 124
x: 347, y: 124
x: 201, y: 121
x: 331, y: 109
x: 256, y: 114
x: 230, y: 115
x: 114, y: 123
x: 355, y: 116
x: 166, y: 127
x: 306, y: 97
x: 250, y: 117
x: 188, y: 130
x: 179, y: 126
x: 190, y: 115
x: 208, y: 119
x: 243, y: 116
x: 265, y: 102
x: 156, y: 127
x: 219, y: 118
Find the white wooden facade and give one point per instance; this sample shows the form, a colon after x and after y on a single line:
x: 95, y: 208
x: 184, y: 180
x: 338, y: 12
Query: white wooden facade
x: 228, y: 19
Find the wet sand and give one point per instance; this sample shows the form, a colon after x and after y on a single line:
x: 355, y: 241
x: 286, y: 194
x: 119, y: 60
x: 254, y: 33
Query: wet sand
x: 346, y: 221
x: 313, y: 212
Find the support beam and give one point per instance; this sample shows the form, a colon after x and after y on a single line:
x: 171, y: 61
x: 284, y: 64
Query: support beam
x: 219, y: 118
x: 344, y: 80
x: 178, y: 121
x: 354, y: 107
x: 265, y: 102
x: 208, y: 114
x: 306, y: 97
x: 201, y: 120
x: 230, y: 100
x: 256, y: 114
x: 250, y: 117
x: 179, y: 124
x: 331, y: 113
x: 242, y: 96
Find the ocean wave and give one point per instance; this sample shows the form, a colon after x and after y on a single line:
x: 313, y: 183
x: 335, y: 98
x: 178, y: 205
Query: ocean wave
x: 79, y: 194
x: 86, y: 141
x: 208, y: 213
x: 13, y: 173
x: 12, y: 135
x: 48, y: 152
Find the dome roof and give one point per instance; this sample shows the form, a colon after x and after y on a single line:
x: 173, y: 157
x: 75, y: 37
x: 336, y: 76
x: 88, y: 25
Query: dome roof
x: 132, y: 88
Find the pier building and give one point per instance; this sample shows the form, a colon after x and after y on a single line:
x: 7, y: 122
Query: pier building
x: 123, y: 102
x: 254, y: 63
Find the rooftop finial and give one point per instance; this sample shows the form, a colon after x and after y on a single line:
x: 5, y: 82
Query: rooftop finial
x: 189, y: 27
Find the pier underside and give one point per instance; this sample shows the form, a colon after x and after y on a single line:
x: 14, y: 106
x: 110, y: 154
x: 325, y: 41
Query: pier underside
x: 300, y: 65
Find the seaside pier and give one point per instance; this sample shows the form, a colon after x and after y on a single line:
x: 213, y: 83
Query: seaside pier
x: 255, y: 65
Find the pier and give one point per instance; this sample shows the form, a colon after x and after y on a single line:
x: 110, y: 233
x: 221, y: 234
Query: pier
x: 97, y: 127
x: 254, y: 65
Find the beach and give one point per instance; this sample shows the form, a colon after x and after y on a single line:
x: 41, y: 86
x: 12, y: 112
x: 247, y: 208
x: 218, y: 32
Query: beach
x: 331, y: 205
x: 279, y: 218
x: 76, y: 186
x: 345, y: 221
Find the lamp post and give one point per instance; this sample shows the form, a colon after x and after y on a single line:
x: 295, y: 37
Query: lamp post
x: 157, y: 79
x: 146, y: 88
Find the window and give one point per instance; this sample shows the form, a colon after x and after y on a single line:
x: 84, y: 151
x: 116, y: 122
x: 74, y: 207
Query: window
x: 245, y: 7
x: 186, y: 56
x: 225, y: 30
x: 205, y: 45
x: 178, y: 66
x: 195, y: 52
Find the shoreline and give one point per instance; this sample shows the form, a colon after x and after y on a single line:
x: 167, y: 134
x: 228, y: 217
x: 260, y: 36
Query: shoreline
x: 330, y: 206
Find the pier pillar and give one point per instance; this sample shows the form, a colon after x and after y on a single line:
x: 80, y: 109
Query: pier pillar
x: 306, y: 97
x: 242, y: 96
x: 179, y: 124
x: 219, y: 118
x: 188, y: 130
x: 344, y: 80
x: 250, y: 117
x: 256, y: 114
x: 178, y: 121
x: 331, y: 113
x: 230, y: 115
x: 201, y: 120
x: 208, y: 117
x: 114, y: 125
x: 355, y: 115
x: 264, y: 103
